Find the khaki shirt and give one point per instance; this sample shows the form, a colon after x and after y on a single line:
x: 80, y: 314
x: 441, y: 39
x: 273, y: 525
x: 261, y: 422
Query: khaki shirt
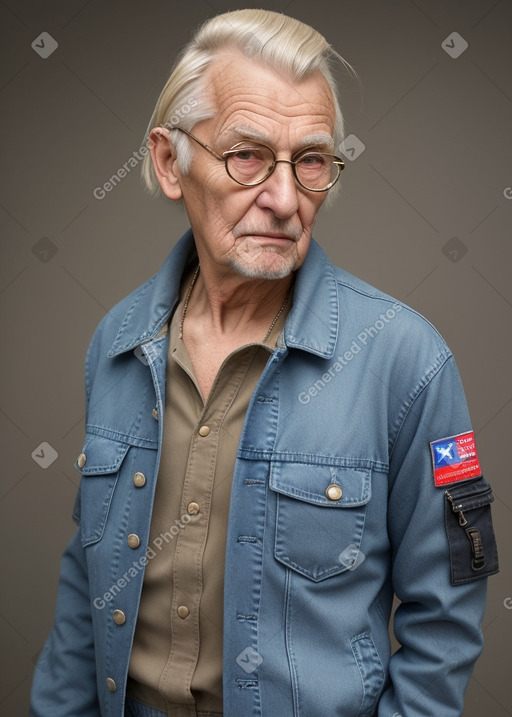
x: 176, y: 660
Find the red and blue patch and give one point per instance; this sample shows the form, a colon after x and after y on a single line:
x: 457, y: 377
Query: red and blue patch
x: 455, y: 459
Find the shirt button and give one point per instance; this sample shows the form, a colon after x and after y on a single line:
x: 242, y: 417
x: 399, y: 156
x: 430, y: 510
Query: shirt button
x: 81, y: 460
x: 333, y: 492
x: 204, y: 431
x: 154, y: 413
x: 111, y: 685
x: 193, y: 508
x: 119, y: 617
x: 139, y: 479
x: 183, y: 611
x: 133, y: 540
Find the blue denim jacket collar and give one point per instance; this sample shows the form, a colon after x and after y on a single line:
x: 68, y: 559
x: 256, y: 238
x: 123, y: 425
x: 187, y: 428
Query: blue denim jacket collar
x: 312, y: 324
x: 152, y: 304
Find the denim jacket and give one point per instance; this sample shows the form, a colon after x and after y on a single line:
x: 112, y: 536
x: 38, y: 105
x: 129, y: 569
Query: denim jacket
x: 333, y: 510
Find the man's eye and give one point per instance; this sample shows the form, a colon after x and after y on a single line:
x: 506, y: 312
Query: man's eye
x: 312, y: 160
x: 247, y: 154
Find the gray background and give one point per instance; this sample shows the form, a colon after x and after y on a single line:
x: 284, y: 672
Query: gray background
x: 424, y: 215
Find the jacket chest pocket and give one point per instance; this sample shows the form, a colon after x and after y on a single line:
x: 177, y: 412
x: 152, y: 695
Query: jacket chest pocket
x: 99, y: 463
x: 320, y: 517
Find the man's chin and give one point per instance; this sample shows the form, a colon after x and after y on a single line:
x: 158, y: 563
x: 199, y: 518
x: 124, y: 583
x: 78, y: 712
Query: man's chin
x: 266, y: 265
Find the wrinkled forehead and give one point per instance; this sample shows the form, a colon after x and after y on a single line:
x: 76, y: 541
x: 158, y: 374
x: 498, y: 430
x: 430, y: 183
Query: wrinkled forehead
x: 245, y: 92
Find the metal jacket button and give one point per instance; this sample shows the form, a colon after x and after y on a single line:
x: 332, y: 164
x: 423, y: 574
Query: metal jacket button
x: 81, y: 460
x: 139, y: 479
x: 111, y: 685
x: 133, y: 540
x: 119, y: 617
x: 333, y: 492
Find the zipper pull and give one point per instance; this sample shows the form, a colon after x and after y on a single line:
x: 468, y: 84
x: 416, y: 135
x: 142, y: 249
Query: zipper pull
x: 457, y: 509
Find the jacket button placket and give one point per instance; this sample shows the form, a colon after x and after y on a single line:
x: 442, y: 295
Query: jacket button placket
x: 246, y: 530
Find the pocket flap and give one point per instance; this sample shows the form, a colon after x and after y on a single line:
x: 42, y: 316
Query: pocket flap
x: 469, y: 496
x: 310, y: 483
x: 102, y: 456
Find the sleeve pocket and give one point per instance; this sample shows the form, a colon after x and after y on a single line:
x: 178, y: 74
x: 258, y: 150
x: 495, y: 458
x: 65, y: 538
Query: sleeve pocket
x: 468, y: 521
x: 103, y: 459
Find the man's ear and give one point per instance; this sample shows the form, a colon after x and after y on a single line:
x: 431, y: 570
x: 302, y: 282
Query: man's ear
x: 165, y: 165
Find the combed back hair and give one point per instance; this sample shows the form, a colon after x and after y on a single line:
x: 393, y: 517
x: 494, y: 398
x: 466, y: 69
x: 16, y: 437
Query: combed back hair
x: 282, y: 43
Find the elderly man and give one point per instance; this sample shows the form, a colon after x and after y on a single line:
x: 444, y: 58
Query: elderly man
x: 273, y: 448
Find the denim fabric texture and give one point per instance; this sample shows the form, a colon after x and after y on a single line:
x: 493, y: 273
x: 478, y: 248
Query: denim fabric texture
x: 333, y: 511
x: 134, y: 708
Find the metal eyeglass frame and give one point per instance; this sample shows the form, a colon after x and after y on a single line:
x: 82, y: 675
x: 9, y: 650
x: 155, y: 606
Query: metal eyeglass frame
x: 337, y: 161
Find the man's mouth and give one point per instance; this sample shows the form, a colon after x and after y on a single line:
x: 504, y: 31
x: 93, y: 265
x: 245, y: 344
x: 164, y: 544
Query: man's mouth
x: 271, y: 237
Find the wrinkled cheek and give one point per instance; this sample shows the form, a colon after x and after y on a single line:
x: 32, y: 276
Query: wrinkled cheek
x: 301, y: 249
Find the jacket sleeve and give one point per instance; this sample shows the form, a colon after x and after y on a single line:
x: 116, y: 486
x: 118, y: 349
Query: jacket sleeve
x: 437, y: 623
x: 65, y: 676
x: 64, y: 680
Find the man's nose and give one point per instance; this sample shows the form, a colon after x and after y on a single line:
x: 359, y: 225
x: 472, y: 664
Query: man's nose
x: 280, y: 191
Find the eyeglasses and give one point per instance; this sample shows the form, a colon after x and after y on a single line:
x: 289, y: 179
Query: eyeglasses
x: 249, y: 163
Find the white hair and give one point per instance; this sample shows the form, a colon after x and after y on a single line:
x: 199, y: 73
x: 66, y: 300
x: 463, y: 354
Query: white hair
x: 271, y: 38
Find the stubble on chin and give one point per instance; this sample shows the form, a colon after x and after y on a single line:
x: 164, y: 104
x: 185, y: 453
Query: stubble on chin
x: 248, y: 260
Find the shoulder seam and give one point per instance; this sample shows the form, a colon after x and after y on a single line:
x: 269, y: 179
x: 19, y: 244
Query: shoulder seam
x: 442, y: 360
x: 381, y: 296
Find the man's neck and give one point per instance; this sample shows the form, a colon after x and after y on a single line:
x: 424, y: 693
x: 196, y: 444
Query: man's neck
x: 235, y: 304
